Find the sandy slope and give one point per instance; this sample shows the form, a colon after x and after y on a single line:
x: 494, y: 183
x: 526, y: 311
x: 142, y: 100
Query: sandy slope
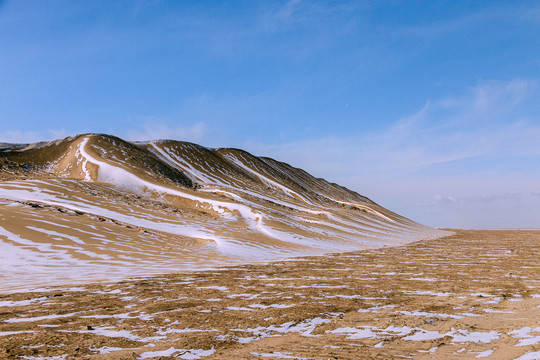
x: 471, y: 295
x: 95, y: 207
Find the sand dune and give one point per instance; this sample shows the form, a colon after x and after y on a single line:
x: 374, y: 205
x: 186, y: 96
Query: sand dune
x: 96, y: 207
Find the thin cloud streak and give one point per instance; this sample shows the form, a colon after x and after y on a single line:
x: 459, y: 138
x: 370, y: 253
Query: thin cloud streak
x: 465, y: 130
x: 459, y: 146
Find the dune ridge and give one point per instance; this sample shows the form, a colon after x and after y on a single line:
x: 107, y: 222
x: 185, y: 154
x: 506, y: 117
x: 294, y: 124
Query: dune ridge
x: 96, y: 207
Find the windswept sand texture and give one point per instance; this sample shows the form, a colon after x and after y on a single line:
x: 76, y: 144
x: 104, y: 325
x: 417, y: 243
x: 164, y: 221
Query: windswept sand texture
x: 95, y: 207
x: 475, y: 294
x: 155, y: 239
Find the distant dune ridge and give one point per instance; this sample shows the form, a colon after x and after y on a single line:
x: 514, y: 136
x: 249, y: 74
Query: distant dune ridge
x: 96, y: 207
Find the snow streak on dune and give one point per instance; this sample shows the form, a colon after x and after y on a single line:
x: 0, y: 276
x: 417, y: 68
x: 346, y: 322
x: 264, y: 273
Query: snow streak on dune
x: 89, y: 206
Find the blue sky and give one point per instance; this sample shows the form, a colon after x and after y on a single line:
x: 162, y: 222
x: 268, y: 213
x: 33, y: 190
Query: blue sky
x: 430, y: 108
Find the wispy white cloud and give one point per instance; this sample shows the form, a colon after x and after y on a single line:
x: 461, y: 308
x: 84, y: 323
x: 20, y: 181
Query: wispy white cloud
x: 460, y: 146
x: 483, y: 121
x: 491, y: 98
x: 480, y: 122
x: 282, y: 16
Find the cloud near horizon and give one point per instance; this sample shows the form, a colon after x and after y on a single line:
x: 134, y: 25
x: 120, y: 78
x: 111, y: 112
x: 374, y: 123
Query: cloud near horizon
x: 462, y: 146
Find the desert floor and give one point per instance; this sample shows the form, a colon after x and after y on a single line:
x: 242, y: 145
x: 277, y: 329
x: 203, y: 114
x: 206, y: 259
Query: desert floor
x: 472, y: 294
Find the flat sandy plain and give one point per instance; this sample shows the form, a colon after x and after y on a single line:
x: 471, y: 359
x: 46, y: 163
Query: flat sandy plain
x: 473, y: 294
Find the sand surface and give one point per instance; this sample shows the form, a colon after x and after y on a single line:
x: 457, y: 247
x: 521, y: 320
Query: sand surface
x: 470, y: 295
x: 94, y: 207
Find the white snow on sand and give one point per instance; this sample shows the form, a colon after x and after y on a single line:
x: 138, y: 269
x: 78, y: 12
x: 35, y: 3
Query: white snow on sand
x: 178, y: 353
